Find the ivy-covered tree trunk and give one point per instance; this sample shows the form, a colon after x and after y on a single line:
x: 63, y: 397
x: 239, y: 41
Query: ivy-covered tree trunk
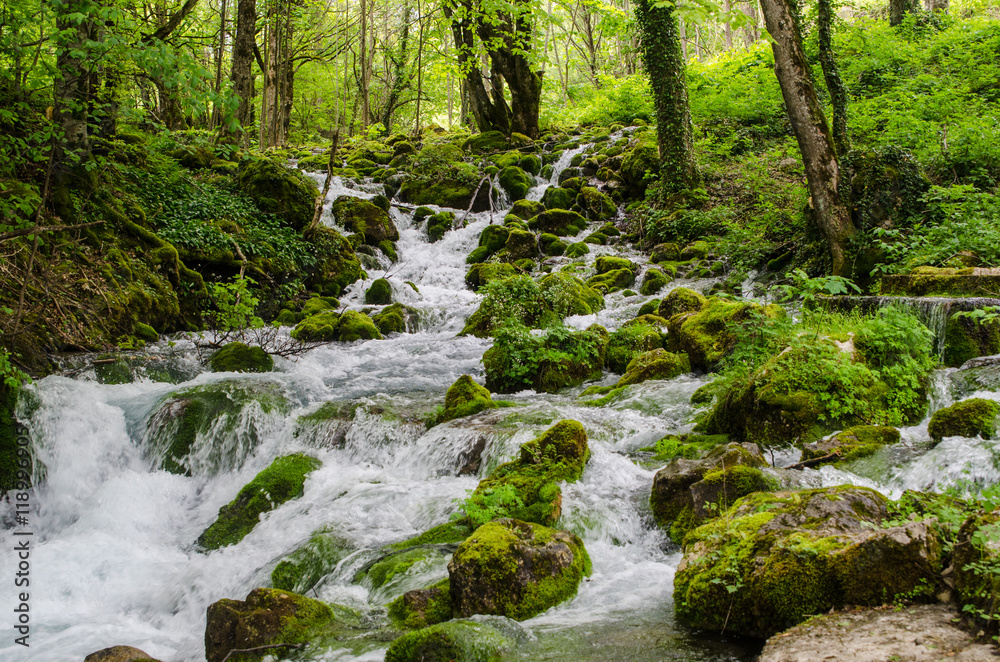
x: 242, y: 74
x: 659, y: 34
x: 488, y: 107
x: 831, y: 74
x: 809, y: 126
x: 77, y: 28
x: 900, y: 8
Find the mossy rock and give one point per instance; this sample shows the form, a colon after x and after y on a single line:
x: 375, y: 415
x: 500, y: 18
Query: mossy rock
x: 317, y: 305
x: 483, y: 273
x: 678, y: 506
x: 558, y: 222
x: 578, y: 249
x: 551, y: 244
x: 968, y: 418
x: 304, y: 567
x: 629, y: 342
x: 653, y: 281
x: 478, y: 255
x: 337, y: 264
x: 192, y: 417
x: 525, y: 209
x: 365, y: 218
x: 321, y: 327
x: 453, y: 641
x: 379, y: 294
x: 596, y: 238
x: 421, y: 608
x: 531, y: 163
x: 945, y: 281
x: 392, y: 568
x: 775, y: 559
x: 710, y: 334
x: 438, y: 224
x: 515, y: 181
x: 271, y: 616
x: 515, y: 569
x: 648, y: 308
x: 655, y: 364
x: 494, y: 237
x: 487, y: 141
x: 639, y: 161
x: 612, y: 281
x: 851, y: 444
x: 558, y: 455
x: 464, y: 398
x: 145, y: 332
x: 396, y: 318
x: 556, y: 360
x: 279, y: 190
x: 282, y: 481
x: 967, y: 338
x: 520, y: 245
x: 568, y: 295
x: 357, y: 326
x: 237, y: 357
x: 680, y: 300
x: 666, y: 252
x: 515, y: 299
x: 596, y: 206
x: 556, y: 197
x: 697, y: 250
x: 976, y: 557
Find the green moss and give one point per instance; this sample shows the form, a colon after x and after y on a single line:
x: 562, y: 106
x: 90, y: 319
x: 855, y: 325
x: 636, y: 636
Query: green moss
x: 655, y: 364
x: 681, y: 300
x: 146, y: 332
x: 396, y: 564
x: 494, y: 237
x: 665, y: 253
x: 630, y: 341
x: 966, y: 338
x: 558, y: 222
x: 525, y: 209
x: 365, y: 218
x: 281, y: 481
x: 612, y: 281
x: 464, y: 398
x: 515, y: 181
x: 696, y: 250
x: 556, y: 197
x: 568, y: 295
x: 356, y: 326
x: 481, y: 274
x: 308, y: 564
x: 851, y: 444
x: 711, y: 333
x: 449, y: 532
x: 977, y: 570
x: 520, y: 245
x: 379, y: 294
x: 421, y: 608
x: 237, y: 357
x: 279, y: 190
x: 968, y: 418
x: 596, y: 206
x: 395, y: 319
x: 555, y: 360
x: 454, y: 641
x: 654, y: 281
x: 487, y: 141
x: 578, y: 249
x: 321, y: 327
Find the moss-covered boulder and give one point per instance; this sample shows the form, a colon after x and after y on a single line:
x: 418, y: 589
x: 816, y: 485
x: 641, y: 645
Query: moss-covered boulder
x: 485, y: 272
x: 977, y: 579
x: 533, y: 479
x: 515, y: 569
x: 379, y: 294
x: 655, y: 364
x: 454, y: 641
x: 557, y: 197
x: 515, y: 181
x: 577, y: 249
x: 558, y: 222
x: 851, y: 444
x: 337, y: 264
x: 653, y: 281
x: 356, y: 326
x: 238, y: 357
x: 711, y: 333
x: 775, y: 559
x: 321, y: 327
x: 464, y: 398
x: 967, y: 337
x: 568, y: 295
x: 687, y: 492
x: 639, y: 166
x: 365, y: 218
x: 667, y: 252
x: 438, y: 224
x: 696, y: 250
x: 547, y: 362
x: 396, y: 318
x: 494, y: 237
x: 198, y: 427
x: 487, y: 141
x: 271, y: 616
x: 525, y: 209
x: 680, y: 300
x: 307, y: 564
x: 520, y: 245
x: 631, y: 340
x: 968, y: 418
x: 279, y: 190
x: 440, y: 176
x: 596, y: 206
x: 422, y: 607
x: 396, y: 568
x: 282, y: 481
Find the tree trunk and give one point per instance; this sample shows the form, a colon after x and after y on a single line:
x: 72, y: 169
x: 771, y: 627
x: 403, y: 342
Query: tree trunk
x: 661, y: 53
x: 900, y: 8
x: 72, y: 84
x: 219, y: 56
x: 488, y: 108
x: 365, y: 108
x: 242, y: 71
x: 727, y: 7
x: 831, y: 74
x: 809, y: 126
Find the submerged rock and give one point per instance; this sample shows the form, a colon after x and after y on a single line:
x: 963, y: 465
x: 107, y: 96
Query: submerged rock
x: 282, y: 481
x: 776, y: 559
x: 271, y: 616
x: 309, y: 563
x: 516, y: 569
x: 237, y: 357
x: 454, y: 641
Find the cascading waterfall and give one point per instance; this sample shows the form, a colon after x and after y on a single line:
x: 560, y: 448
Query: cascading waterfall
x: 113, y: 556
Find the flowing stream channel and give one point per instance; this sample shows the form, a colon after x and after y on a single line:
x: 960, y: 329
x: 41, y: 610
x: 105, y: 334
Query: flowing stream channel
x: 113, y: 559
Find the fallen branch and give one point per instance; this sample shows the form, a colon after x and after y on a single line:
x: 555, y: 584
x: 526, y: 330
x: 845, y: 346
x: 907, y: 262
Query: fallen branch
x: 37, y: 229
x: 461, y: 222
x: 816, y: 460
x: 263, y: 648
x: 318, y: 208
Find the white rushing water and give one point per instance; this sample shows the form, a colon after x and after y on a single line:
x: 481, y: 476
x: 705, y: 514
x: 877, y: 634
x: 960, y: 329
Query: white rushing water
x: 113, y: 559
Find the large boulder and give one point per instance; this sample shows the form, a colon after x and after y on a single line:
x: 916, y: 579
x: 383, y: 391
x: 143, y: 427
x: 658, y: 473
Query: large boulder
x: 365, y: 218
x: 485, y: 272
x: 968, y: 418
x: 775, y: 559
x: 688, y: 492
x: 279, y: 190
x: 680, y: 300
x: 337, y: 264
x: 440, y: 176
x: 515, y: 569
x: 269, y: 617
x: 515, y: 181
x: 282, y: 481
x: 711, y: 333
x: 422, y: 607
x: 558, y: 222
x: 633, y: 339
x: 464, y: 398
x: 655, y: 364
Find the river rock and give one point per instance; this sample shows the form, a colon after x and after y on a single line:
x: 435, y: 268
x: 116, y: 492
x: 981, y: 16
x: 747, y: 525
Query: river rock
x: 455, y: 641
x: 120, y: 654
x: 238, y: 357
x: 365, y: 218
x: 775, y: 559
x: 655, y: 364
x: 968, y: 418
x: 422, y: 607
x: 516, y: 569
x: 464, y: 398
x: 851, y: 444
x: 271, y: 616
x: 919, y: 633
x: 688, y: 492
